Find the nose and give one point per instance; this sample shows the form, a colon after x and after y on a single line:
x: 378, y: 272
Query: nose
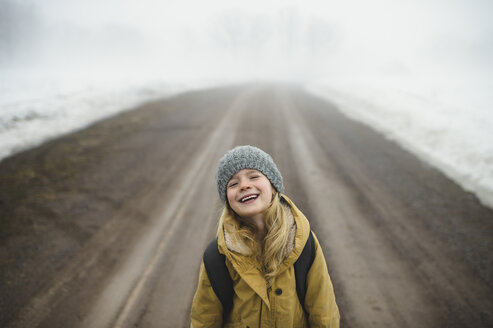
x: 244, y: 184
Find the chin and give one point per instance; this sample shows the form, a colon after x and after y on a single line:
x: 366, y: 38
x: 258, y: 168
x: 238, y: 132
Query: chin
x: 247, y: 213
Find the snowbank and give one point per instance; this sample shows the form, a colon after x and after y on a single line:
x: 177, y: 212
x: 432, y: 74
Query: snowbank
x: 38, y: 108
x: 447, y: 124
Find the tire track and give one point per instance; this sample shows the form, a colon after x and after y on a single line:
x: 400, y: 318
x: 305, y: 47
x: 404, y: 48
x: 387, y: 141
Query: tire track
x: 129, y: 285
x: 361, y: 257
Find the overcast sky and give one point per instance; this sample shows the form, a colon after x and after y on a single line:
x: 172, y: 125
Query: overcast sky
x: 286, y: 38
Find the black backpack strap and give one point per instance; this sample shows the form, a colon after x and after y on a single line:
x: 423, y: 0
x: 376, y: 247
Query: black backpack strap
x: 302, y: 266
x: 218, y: 274
x: 222, y: 284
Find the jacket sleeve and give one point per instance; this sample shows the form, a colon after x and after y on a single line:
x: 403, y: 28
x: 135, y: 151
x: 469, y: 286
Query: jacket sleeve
x: 320, y: 300
x: 207, y: 310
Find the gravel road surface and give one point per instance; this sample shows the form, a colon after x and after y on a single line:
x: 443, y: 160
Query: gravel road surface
x: 105, y: 227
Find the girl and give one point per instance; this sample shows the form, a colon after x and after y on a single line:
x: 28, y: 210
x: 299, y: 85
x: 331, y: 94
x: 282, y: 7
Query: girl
x: 262, y: 234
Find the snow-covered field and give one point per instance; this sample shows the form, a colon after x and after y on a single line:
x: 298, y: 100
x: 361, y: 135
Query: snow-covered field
x: 447, y: 123
x: 36, y: 109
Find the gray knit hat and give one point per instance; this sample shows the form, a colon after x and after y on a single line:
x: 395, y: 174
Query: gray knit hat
x: 246, y: 157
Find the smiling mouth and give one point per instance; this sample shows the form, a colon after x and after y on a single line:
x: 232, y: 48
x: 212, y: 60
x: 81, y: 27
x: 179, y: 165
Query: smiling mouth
x: 248, y: 198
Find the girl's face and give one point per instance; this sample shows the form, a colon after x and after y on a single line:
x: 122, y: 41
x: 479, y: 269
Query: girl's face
x: 249, y: 193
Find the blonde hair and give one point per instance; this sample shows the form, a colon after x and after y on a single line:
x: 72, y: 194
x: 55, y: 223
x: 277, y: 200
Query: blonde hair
x: 272, y: 251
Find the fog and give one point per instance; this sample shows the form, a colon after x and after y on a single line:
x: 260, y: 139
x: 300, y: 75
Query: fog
x: 295, y: 40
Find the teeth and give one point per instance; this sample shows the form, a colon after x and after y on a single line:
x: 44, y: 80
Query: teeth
x: 248, y: 198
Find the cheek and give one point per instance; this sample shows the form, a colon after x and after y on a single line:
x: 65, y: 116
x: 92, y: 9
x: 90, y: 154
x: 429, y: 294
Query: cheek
x: 268, y: 189
x: 230, y: 195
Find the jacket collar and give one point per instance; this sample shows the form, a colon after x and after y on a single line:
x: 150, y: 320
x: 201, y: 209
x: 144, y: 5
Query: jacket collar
x: 238, y: 254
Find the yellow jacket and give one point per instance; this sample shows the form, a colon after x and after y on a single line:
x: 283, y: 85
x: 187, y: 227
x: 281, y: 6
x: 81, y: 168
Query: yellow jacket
x: 256, y: 306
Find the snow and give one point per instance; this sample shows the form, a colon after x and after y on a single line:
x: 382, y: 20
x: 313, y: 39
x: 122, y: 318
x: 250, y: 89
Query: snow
x: 446, y: 122
x: 37, y: 107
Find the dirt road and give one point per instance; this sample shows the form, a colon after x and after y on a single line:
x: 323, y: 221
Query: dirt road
x: 106, y: 227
